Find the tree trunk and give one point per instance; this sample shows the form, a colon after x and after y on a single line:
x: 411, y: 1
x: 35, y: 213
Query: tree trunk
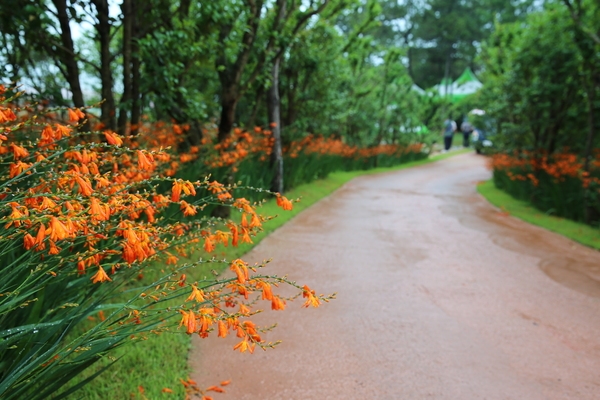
x: 135, y: 70
x: 257, y: 102
x: 382, y: 109
x: 292, y: 111
x: 232, y: 88
x: 394, y: 134
x: 106, y: 78
x: 66, y: 56
x: 274, y: 109
x: 229, y: 101
x: 124, y: 104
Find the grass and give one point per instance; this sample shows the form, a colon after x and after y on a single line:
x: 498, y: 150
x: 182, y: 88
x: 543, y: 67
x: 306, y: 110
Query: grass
x: 457, y: 139
x: 159, y: 362
x: 576, y: 231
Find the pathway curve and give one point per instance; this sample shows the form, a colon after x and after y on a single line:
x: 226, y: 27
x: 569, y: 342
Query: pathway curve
x: 440, y: 296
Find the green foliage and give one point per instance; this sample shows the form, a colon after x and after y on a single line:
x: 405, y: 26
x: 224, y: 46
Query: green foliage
x: 534, y: 86
x: 367, y: 97
x: 444, y: 35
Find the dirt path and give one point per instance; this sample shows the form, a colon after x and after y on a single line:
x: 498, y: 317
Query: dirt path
x: 440, y: 296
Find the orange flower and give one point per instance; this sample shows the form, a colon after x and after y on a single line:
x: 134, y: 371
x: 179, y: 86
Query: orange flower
x: 206, y: 316
x: 311, y: 299
x: 53, y: 249
x: 58, y: 230
x: 188, y: 188
x: 222, y: 237
x: 166, y: 390
x: 197, y: 294
x: 190, y: 322
x: 250, y: 329
x: 277, y: 303
x: 244, y: 310
x: 112, y: 138
x: 18, y: 151
x: 39, y: 239
x: 219, y: 190
x: 188, y: 209
x: 184, y: 383
x: 234, y: 234
x: 241, y: 270
x: 29, y: 241
x: 61, y: 131
x: 100, y: 276
x: 224, y: 196
x: 255, y: 221
x: 18, y: 168
x: 98, y: 211
x: 75, y: 115
x: 246, y: 236
x: 101, y: 182
x: 176, y: 191
x: 7, y: 115
x: 215, y: 389
x: 284, y: 203
x: 267, y: 294
x: 129, y: 253
x: 18, y: 212
x: 145, y: 161
x: 244, y: 345
x: 47, y: 203
x: 93, y: 168
x: 243, y: 204
x: 209, y: 245
x: 222, y: 329
x: 85, y: 187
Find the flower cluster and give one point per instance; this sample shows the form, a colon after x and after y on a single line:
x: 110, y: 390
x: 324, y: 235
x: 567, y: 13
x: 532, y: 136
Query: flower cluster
x: 313, y: 144
x: 258, y: 143
x: 559, y: 166
x: 86, y: 212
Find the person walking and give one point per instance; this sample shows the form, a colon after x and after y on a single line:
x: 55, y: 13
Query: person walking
x: 467, y: 128
x: 449, y: 129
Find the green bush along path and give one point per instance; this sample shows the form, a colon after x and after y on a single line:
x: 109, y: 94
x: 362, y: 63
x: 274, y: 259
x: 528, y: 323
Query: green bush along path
x: 439, y: 295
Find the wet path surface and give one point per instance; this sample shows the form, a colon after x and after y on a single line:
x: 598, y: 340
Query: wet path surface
x: 440, y: 296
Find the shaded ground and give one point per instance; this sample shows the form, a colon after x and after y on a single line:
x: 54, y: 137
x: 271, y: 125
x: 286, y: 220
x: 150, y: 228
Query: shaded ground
x: 440, y: 296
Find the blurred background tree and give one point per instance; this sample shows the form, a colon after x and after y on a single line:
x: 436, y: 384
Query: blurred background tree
x: 351, y: 69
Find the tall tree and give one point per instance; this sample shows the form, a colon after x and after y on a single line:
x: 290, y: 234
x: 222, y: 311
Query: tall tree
x: 127, y: 10
x: 104, y: 27
x: 237, y: 19
x: 65, y: 56
x: 288, y: 20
